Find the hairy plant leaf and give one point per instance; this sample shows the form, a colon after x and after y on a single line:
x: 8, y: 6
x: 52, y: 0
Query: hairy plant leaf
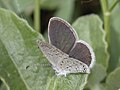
x: 97, y: 75
x: 22, y: 65
x: 17, y: 6
x: 115, y: 38
x: 113, y: 80
x: 89, y: 29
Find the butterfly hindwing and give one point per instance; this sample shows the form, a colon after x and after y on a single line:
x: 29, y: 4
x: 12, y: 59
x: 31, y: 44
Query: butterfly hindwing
x: 71, y: 65
x: 83, y: 52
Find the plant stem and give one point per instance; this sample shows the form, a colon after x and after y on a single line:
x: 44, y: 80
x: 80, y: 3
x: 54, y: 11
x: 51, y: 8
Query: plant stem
x: 113, y: 5
x: 106, y: 16
x: 37, y: 16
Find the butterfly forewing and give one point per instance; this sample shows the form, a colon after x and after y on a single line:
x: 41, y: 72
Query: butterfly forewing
x: 51, y: 53
x: 61, y: 34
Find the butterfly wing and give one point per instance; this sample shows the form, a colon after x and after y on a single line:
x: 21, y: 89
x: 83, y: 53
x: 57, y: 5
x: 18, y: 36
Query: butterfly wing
x: 71, y: 65
x: 51, y: 53
x: 61, y: 34
x: 60, y: 61
x: 83, y: 52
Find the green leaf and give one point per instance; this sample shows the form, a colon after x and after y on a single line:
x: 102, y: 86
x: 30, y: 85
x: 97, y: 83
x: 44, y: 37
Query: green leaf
x: 18, y: 6
x: 89, y: 29
x: 113, y: 80
x: 22, y: 63
x: 23, y: 5
x: 115, y: 38
x: 72, y: 82
x: 17, y: 51
x: 66, y: 9
x: 98, y: 87
x: 97, y: 75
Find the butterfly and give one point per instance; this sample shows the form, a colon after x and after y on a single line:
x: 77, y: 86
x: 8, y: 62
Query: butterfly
x: 65, y: 51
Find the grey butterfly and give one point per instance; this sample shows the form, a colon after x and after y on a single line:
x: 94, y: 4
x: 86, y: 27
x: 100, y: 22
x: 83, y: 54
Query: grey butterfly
x: 65, y: 52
